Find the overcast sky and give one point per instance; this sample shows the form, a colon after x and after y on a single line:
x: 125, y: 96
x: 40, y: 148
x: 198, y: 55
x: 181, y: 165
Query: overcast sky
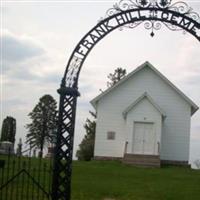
x: 37, y: 38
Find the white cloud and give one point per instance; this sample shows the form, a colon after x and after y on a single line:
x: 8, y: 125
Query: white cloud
x: 19, y: 48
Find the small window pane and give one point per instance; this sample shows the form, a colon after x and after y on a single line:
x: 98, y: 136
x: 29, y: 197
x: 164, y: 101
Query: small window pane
x: 110, y: 135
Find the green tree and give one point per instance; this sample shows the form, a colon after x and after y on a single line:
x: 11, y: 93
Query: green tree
x: 41, y: 130
x: 8, y: 130
x: 86, y: 147
x: 118, y: 74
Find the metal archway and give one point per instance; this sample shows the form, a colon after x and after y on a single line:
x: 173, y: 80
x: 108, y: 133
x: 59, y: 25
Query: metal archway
x: 127, y: 13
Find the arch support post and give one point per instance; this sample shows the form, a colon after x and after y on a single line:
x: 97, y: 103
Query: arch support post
x: 63, y: 152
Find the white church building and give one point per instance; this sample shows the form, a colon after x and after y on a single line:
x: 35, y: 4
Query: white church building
x: 144, y: 119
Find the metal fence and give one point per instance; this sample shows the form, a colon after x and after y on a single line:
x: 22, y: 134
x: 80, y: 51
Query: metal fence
x: 25, y: 177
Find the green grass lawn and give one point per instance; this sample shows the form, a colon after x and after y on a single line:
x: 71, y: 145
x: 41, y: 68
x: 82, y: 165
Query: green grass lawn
x: 113, y: 180
x: 109, y: 180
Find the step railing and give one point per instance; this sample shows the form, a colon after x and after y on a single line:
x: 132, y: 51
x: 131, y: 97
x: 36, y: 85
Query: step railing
x: 158, y: 143
x: 125, y: 147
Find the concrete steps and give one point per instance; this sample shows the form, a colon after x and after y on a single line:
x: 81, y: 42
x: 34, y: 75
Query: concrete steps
x: 142, y: 160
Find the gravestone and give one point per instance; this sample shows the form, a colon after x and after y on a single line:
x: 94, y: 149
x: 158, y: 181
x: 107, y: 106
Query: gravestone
x: 6, y: 147
x: 50, y: 152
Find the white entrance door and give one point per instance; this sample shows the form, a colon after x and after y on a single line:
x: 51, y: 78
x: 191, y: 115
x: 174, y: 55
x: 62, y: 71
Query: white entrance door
x: 144, y: 138
x: 138, y: 139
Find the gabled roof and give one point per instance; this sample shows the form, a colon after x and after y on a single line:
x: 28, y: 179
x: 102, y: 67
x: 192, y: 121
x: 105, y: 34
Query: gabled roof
x: 194, y: 107
x: 149, y: 98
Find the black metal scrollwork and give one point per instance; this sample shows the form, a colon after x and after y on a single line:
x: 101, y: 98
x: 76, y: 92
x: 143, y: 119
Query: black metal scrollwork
x: 179, y: 7
x: 153, y: 14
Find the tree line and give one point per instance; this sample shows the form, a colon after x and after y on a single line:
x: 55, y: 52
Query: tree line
x: 41, y: 130
x: 43, y: 126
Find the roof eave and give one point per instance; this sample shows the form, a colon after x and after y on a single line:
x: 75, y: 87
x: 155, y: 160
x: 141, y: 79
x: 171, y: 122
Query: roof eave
x: 94, y: 104
x: 144, y: 95
x: 119, y: 82
x: 187, y: 99
x: 194, y: 109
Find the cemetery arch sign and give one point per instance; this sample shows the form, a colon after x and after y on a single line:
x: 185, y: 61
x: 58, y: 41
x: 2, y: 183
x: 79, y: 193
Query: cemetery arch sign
x: 127, y: 13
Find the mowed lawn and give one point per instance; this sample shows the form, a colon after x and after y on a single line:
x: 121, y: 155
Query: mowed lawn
x: 109, y: 180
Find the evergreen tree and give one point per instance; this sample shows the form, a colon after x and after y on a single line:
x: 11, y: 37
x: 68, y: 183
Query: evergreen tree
x: 86, y: 147
x: 44, y: 123
x: 8, y: 130
x: 118, y: 74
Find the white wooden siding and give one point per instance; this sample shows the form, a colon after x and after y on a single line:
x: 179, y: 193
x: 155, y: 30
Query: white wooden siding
x: 176, y: 126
